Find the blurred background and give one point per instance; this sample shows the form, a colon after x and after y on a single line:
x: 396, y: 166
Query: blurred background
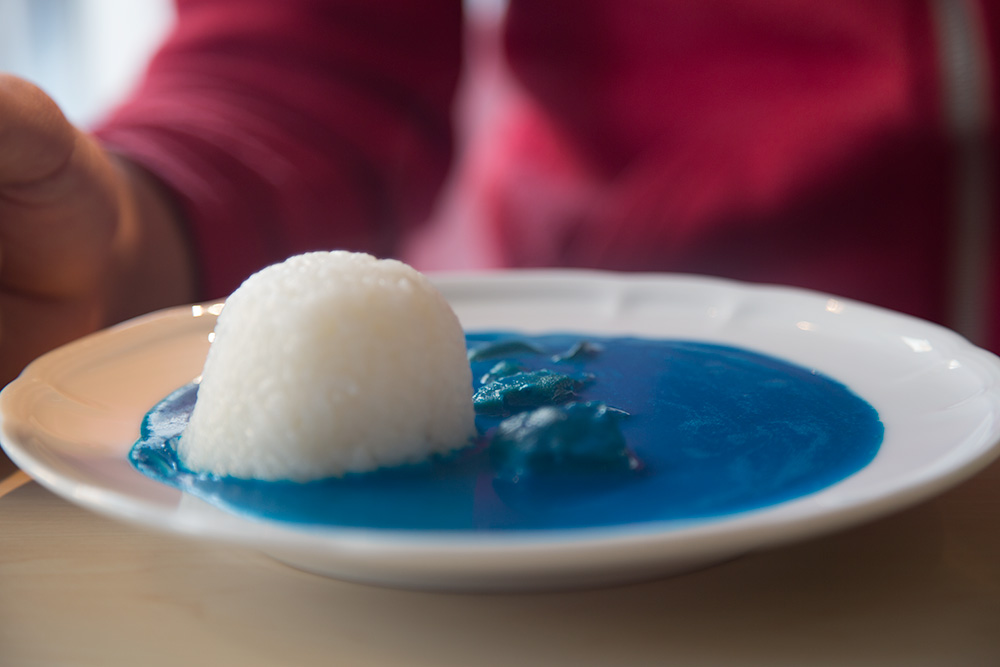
x: 87, y: 53
x: 84, y: 53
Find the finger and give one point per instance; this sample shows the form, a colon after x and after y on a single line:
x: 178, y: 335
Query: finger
x: 36, y: 140
x: 58, y: 197
x: 56, y: 241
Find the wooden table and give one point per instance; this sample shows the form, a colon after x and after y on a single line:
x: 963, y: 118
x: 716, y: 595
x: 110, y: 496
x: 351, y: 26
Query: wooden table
x: 919, y: 588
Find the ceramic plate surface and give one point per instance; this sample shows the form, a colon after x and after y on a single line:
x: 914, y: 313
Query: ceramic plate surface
x: 70, y: 419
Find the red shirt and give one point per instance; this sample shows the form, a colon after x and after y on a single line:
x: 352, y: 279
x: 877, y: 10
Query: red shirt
x: 836, y: 146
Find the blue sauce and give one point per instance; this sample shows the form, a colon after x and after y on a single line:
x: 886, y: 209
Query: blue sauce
x: 716, y: 430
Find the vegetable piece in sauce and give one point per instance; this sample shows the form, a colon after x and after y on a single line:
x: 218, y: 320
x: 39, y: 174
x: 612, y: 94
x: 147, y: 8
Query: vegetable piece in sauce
x: 581, y: 437
x: 581, y: 351
x: 501, y: 369
x: 503, y: 348
x: 525, y: 391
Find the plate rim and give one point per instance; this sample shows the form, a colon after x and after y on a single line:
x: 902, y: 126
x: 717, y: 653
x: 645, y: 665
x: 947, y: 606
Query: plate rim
x: 527, y: 547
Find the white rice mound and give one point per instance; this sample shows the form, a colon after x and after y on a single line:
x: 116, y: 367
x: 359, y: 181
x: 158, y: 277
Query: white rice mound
x: 326, y: 364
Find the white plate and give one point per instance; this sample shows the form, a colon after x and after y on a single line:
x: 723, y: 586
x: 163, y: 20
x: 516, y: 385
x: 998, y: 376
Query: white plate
x: 72, y: 416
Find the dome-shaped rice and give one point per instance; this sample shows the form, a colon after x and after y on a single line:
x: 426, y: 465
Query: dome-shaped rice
x: 329, y: 363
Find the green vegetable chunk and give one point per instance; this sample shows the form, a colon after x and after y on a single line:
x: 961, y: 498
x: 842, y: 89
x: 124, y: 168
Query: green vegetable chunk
x: 582, y: 351
x: 503, y: 348
x: 528, y: 390
x: 581, y: 437
x: 502, y: 369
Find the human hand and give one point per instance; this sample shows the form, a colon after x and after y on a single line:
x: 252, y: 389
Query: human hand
x: 59, y: 213
x: 85, y: 239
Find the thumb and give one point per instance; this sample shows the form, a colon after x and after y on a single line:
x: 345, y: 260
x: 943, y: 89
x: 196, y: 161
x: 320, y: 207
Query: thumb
x: 59, y: 197
x: 36, y: 140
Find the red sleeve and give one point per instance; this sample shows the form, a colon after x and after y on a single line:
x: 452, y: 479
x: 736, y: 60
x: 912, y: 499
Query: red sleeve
x: 990, y: 12
x: 295, y: 125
